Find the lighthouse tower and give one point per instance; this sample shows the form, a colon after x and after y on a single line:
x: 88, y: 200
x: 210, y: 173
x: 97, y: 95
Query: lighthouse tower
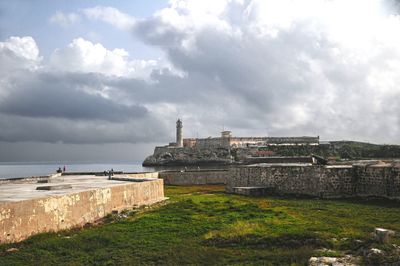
x: 179, y: 138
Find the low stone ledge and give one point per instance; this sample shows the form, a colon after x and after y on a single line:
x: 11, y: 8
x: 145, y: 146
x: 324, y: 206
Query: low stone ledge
x: 131, y: 179
x: 195, y: 177
x: 56, y: 187
x: 50, y: 180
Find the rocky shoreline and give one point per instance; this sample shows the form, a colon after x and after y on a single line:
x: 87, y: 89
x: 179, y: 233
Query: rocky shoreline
x: 152, y: 161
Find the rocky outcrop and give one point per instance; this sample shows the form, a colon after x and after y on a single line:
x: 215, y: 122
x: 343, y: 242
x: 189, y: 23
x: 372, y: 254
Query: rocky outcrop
x: 189, y: 156
x: 347, y: 260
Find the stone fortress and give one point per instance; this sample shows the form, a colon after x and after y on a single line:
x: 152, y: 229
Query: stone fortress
x: 231, y: 150
x: 228, y: 141
x: 265, y: 171
x: 226, y: 149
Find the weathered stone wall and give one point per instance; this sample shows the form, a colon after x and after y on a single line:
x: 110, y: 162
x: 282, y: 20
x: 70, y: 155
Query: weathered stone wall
x: 209, y: 143
x: 196, y: 177
x: 21, y: 219
x: 378, y: 180
x: 320, y: 181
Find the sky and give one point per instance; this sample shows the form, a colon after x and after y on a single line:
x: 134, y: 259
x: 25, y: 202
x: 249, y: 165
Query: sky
x: 106, y: 80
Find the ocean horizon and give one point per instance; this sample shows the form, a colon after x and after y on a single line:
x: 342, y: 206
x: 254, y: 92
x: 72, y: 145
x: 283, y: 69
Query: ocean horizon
x: 28, y: 169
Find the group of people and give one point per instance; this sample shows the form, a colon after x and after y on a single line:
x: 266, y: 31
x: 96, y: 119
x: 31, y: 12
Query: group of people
x: 61, y: 170
x: 110, y: 173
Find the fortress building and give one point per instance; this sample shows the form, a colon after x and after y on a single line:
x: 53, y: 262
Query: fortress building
x: 227, y: 149
x: 226, y: 140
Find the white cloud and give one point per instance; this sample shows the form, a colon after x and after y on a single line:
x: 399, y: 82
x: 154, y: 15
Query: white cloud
x: 110, y: 15
x: 21, y: 47
x: 17, y: 54
x: 84, y: 56
x: 65, y: 19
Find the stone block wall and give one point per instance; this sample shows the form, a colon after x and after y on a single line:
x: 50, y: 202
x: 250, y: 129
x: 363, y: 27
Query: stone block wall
x: 378, y: 180
x: 21, y: 219
x: 320, y: 181
x: 195, y: 177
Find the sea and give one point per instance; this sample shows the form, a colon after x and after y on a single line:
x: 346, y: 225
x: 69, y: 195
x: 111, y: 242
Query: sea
x: 28, y: 169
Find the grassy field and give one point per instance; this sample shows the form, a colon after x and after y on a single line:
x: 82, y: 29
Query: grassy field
x: 203, y: 225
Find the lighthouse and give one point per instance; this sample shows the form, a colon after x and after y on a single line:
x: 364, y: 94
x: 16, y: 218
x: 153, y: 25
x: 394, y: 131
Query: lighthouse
x: 179, y: 138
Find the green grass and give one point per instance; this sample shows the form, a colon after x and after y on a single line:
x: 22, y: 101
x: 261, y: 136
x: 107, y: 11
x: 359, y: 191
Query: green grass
x: 203, y: 225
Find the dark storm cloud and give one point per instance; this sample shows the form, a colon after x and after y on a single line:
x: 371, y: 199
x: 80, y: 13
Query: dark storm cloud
x: 392, y: 6
x: 55, y: 130
x: 65, y: 95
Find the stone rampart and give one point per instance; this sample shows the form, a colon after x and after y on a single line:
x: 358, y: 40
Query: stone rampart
x: 195, y: 177
x: 320, y: 181
x: 21, y: 219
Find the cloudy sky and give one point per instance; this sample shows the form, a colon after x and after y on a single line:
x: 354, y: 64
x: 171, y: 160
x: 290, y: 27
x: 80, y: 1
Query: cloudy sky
x: 106, y: 80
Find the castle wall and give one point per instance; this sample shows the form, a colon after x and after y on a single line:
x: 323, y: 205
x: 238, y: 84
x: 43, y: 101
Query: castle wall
x: 208, y: 143
x: 260, y: 141
x: 189, y: 143
x: 245, y: 141
x: 161, y: 149
x: 320, y: 181
x: 24, y: 218
x: 195, y: 177
x: 378, y: 180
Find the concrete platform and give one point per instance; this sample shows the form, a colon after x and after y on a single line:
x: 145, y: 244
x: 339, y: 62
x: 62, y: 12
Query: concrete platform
x: 78, y: 200
x: 12, y: 192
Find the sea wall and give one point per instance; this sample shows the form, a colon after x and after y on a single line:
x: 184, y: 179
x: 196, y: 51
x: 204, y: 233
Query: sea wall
x: 195, y: 177
x: 21, y: 219
x: 320, y: 181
